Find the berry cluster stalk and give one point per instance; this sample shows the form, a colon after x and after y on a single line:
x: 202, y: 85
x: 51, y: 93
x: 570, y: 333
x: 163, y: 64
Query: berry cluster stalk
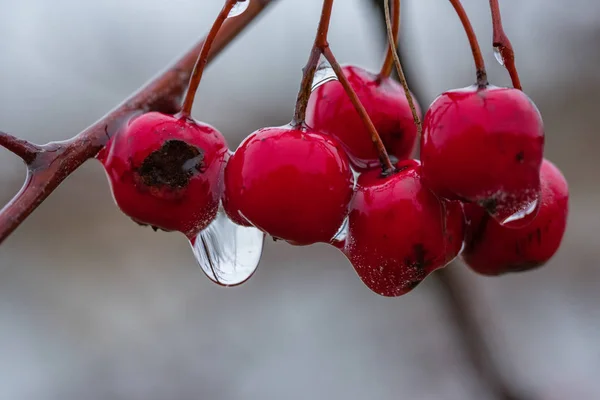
x: 482, y: 80
x: 50, y: 164
x: 321, y: 47
x: 188, y: 101
x: 503, y: 46
x: 388, y: 63
x: 392, y: 50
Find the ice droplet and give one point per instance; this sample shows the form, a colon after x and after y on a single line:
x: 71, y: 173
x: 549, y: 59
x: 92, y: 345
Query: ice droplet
x: 339, y: 240
x: 239, y: 8
x: 498, y: 55
x: 228, y: 253
x: 520, y: 218
x: 323, y: 74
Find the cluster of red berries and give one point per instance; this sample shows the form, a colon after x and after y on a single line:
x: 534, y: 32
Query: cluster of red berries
x: 482, y: 188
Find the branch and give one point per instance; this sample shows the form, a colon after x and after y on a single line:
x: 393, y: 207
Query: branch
x: 50, y: 164
x: 503, y: 46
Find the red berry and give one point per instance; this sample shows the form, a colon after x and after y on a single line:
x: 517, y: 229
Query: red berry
x: 399, y: 231
x: 292, y: 183
x: 493, y: 249
x: 166, y: 171
x: 485, y: 146
x: 330, y: 111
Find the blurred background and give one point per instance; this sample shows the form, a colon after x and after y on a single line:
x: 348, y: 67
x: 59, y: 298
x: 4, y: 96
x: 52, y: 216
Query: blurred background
x: 94, y: 307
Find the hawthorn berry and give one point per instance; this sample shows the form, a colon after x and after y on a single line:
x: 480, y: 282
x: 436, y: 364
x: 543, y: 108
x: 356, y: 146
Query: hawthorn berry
x: 484, y: 145
x: 166, y: 171
x: 330, y: 111
x: 493, y: 249
x: 399, y: 231
x: 290, y: 182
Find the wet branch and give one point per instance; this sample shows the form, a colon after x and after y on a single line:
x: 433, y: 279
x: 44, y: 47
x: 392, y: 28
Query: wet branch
x: 48, y: 165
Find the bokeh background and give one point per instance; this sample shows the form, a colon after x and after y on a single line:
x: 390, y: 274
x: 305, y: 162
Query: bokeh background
x: 94, y: 307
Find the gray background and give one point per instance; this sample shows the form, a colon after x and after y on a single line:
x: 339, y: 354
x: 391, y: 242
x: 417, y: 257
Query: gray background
x: 94, y: 307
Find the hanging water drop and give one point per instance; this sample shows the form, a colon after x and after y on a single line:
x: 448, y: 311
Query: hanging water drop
x: 323, y: 74
x: 239, y: 8
x: 498, y: 55
x: 228, y: 253
x: 522, y: 217
x: 339, y: 240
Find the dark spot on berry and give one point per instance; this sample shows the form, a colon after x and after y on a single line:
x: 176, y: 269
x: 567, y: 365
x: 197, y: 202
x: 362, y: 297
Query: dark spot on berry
x: 530, y: 237
x: 173, y: 165
x: 412, y: 284
x: 419, y: 259
x: 490, y: 205
x: 520, y: 157
x: 538, y: 233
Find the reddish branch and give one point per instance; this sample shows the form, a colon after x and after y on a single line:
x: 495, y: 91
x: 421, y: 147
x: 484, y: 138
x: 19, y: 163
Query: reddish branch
x: 503, y: 45
x: 48, y: 165
x: 475, y: 49
x: 388, y: 63
x: 321, y: 47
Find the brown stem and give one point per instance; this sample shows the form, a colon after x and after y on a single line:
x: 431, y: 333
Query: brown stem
x: 477, y: 57
x: 392, y: 28
x: 308, y: 73
x: 188, y: 101
x: 22, y: 148
x: 400, y: 70
x: 384, y: 158
x: 58, y: 160
x: 503, y: 46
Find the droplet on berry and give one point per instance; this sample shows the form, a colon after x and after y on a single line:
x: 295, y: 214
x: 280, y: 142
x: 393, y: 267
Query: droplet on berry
x: 239, y: 8
x: 166, y: 171
x: 291, y: 182
x: 228, y: 253
x: 484, y: 146
x: 399, y: 231
x: 330, y: 111
x: 492, y: 249
x: 323, y: 74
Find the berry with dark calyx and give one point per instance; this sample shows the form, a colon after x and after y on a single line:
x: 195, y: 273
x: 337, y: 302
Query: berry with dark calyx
x: 293, y: 183
x: 484, y: 145
x: 166, y: 171
x: 493, y: 249
x: 330, y: 111
x: 399, y: 231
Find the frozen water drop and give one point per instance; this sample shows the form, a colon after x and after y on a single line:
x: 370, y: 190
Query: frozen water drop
x: 323, y: 74
x: 228, y: 253
x: 498, y: 55
x: 239, y: 8
x: 521, y: 217
x: 339, y: 240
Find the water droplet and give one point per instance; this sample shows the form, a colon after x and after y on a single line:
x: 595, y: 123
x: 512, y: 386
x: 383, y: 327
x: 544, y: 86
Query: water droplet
x: 498, y: 55
x: 228, y: 253
x: 522, y: 217
x: 339, y: 240
x: 323, y: 74
x: 239, y: 8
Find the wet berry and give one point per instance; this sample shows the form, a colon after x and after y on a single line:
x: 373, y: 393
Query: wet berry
x: 330, y: 111
x: 399, y: 231
x: 166, y: 171
x: 484, y: 146
x: 292, y: 183
x: 492, y: 249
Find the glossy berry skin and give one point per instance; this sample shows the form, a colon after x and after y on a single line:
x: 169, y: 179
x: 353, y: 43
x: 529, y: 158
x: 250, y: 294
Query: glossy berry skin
x: 399, y: 231
x: 330, y: 111
x: 484, y: 146
x: 292, y: 183
x: 492, y: 249
x: 167, y: 171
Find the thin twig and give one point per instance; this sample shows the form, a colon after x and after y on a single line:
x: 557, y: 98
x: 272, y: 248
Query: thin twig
x: 400, y: 70
x: 475, y: 49
x: 22, y: 148
x: 503, y: 46
x: 162, y: 93
x: 393, y: 30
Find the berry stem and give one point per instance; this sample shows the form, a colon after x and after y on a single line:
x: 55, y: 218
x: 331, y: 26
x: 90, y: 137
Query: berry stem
x: 22, y: 148
x: 188, y: 101
x: 475, y: 49
x: 384, y: 158
x: 399, y: 69
x: 308, y: 72
x: 393, y: 29
x: 502, y: 44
